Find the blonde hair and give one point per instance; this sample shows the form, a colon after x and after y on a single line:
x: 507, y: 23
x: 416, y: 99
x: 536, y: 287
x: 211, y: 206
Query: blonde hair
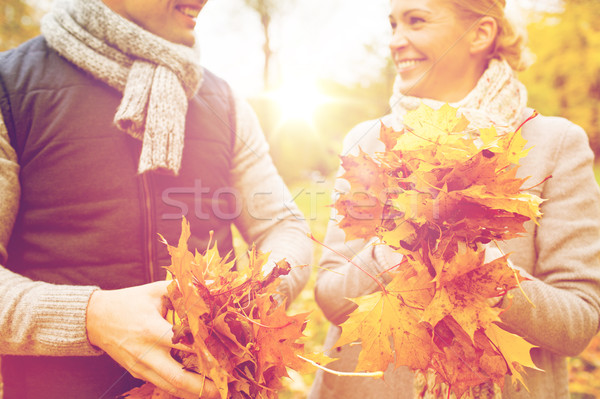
x: 510, y: 42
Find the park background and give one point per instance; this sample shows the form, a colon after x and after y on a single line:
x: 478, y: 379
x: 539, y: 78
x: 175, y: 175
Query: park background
x: 312, y: 69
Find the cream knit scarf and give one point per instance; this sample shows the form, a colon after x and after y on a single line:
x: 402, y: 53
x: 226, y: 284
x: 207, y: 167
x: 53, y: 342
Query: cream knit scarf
x: 156, y: 77
x: 498, y: 98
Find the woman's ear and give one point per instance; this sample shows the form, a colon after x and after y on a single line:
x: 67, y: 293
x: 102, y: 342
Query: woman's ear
x: 484, y: 35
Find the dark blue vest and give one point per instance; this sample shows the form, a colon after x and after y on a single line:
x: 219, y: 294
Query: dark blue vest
x: 86, y: 216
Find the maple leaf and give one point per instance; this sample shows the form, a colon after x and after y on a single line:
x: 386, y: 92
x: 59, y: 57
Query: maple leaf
x: 241, y: 337
x: 514, y: 147
x: 362, y: 205
x: 276, y: 336
x: 466, y: 308
x: 391, y: 316
x: 432, y: 126
x: 514, y: 349
x: 462, y: 364
x: 373, y: 324
x: 438, y: 192
x: 462, y: 292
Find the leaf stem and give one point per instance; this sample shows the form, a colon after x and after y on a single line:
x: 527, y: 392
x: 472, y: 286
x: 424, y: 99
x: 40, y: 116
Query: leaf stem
x: 262, y: 325
x: 539, y: 184
x: 516, y: 276
x: 535, y: 113
x: 389, y: 269
x: 375, y: 374
x: 410, y: 130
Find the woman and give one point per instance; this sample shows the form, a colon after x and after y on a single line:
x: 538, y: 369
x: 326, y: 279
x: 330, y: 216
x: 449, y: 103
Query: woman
x: 465, y: 52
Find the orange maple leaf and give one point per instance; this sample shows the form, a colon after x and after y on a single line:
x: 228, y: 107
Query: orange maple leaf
x: 437, y: 193
x: 362, y: 206
x: 388, y: 322
x: 241, y: 337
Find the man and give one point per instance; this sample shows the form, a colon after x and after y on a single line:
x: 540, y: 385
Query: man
x: 111, y: 132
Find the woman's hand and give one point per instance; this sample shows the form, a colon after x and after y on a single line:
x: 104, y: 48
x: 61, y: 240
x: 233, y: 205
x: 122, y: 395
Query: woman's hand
x: 128, y: 325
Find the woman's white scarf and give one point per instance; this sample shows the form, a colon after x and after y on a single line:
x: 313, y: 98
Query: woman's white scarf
x: 498, y: 99
x: 156, y: 77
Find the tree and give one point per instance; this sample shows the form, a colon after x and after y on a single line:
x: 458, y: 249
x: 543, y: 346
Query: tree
x: 266, y: 10
x: 565, y: 79
x: 19, y: 21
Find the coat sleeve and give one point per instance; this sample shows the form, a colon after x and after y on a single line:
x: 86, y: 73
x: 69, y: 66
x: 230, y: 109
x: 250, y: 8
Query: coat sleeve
x: 565, y: 290
x: 35, y: 318
x: 269, y: 217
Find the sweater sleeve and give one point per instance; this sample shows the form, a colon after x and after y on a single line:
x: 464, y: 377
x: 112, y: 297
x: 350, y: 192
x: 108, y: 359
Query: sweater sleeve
x: 565, y: 289
x: 35, y: 318
x: 338, y: 278
x: 269, y: 217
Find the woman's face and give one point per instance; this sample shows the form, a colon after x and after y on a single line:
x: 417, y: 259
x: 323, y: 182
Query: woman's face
x: 173, y: 20
x: 431, y: 49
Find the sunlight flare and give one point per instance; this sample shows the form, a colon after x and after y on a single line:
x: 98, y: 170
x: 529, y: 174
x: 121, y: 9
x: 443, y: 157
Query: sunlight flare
x: 298, y: 100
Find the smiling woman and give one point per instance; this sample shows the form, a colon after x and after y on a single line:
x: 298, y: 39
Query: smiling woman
x: 466, y: 52
x: 427, y: 41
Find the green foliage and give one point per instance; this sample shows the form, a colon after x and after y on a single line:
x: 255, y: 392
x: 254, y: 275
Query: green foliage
x: 19, y: 21
x: 565, y: 79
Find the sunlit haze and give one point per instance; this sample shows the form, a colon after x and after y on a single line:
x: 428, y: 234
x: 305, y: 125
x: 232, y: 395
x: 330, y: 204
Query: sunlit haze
x: 311, y: 40
x: 298, y: 99
x: 343, y: 40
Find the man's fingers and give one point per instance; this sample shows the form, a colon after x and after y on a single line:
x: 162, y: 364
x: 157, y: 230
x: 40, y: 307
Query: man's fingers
x: 183, y: 348
x: 172, y: 377
x: 158, y: 381
x: 186, y: 384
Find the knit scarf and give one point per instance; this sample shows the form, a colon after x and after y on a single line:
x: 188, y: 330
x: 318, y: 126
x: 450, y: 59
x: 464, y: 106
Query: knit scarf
x: 155, y: 76
x: 498, y: 99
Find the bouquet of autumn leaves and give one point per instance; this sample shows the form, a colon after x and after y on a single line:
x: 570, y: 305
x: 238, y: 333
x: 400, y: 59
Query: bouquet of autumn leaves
x: 241, y: 337
x: 439, y: 194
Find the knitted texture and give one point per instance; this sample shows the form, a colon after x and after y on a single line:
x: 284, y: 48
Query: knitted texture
x: 498, y: 99
x: 156, y: 77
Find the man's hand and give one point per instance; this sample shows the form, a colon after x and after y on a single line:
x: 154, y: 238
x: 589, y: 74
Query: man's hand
x: 128, y: 325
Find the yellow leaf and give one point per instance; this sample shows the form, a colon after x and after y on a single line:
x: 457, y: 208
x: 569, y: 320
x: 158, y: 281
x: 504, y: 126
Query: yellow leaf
x: 524, y: 204
x: 430, y: 123
x: 489, y: 137
x: 383, y: 318
x: 513, y: 147
x: 515, y: 350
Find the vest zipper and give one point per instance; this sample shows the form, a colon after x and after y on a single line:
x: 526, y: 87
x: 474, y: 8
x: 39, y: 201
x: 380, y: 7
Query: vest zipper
x: 148, y: 238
